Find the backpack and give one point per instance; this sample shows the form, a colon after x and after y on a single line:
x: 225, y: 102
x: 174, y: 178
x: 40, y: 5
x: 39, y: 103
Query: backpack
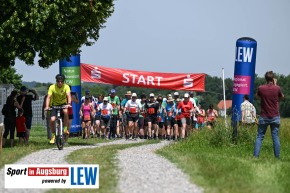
x: 5, y: 110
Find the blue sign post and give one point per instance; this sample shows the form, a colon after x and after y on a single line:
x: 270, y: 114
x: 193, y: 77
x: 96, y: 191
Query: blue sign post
x: 71, y: 71
x: 244, y: 76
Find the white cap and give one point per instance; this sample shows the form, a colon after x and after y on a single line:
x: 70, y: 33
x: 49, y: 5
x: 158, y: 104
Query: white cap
x: 105, y: 99
x: 176, y: 93
x: 186, y: 95
x: 134, y: 95
x: 170, y: 99
x: 151, y: 95
x: 169, y: 95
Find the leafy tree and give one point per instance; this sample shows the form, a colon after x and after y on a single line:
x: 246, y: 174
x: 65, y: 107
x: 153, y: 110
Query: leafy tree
x: 53, y: 29
x: 9, y: 76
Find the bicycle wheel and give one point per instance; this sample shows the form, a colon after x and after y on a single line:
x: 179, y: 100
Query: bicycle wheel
x: 59, y: 142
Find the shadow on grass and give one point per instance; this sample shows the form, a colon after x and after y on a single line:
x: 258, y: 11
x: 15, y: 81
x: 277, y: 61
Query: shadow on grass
x: 82, y: 144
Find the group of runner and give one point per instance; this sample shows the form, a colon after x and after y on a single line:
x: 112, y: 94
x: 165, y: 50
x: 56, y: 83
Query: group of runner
x: 111, y: 117
x: 158, y: 117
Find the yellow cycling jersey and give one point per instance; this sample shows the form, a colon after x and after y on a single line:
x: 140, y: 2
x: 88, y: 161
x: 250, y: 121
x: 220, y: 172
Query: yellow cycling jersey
x: 58, y: 95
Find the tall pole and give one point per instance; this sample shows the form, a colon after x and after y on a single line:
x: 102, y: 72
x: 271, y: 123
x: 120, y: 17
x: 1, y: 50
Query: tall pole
x: 224, y: 93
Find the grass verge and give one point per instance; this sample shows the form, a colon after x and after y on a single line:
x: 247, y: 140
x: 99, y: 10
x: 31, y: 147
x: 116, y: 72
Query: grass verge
x: 106, y: 158
x: 37, y: 141
x: 214, y: 163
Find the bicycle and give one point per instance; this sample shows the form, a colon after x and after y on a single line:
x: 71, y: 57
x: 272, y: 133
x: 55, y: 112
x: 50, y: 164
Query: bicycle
x: 59, y: 137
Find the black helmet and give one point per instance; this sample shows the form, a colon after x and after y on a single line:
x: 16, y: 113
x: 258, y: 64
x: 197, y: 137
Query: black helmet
x: 60, y: 77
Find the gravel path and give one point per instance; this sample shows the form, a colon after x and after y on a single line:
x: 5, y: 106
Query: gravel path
x: 144, y: 171
x: 157, y: 174
x: 41, y: 157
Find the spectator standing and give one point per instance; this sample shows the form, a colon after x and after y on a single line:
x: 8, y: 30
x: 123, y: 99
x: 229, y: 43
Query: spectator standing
x: 248, y: 111
x: 21, y: 127
x: 25, y: 100
x: 269, y: 94
x: 10, y: 118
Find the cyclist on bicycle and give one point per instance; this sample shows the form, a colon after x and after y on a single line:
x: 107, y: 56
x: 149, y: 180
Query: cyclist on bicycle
x: 58, y: 95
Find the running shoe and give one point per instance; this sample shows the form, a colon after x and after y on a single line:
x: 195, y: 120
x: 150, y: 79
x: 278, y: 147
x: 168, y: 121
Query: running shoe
x: 65, y: 130
x: 52, y: 139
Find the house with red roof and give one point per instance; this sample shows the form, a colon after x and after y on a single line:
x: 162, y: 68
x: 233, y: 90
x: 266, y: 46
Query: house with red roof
x: 221, y: 107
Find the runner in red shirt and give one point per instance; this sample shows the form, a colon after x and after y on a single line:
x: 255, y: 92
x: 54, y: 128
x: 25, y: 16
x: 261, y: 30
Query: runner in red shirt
x: 186, y: 107
x: 211, y: 116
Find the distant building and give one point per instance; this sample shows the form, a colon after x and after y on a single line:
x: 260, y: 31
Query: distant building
x: 221, y: 109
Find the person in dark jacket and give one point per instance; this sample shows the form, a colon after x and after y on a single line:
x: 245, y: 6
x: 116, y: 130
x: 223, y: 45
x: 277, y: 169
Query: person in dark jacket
x: 10, y: 118
x: 25, y: 100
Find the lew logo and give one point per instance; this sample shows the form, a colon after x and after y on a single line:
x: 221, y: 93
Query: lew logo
x: 244, y: 54
x: 84, y: 176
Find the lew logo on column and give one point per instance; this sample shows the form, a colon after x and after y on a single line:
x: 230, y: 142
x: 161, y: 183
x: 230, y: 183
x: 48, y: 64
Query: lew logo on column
x: 244, y: 54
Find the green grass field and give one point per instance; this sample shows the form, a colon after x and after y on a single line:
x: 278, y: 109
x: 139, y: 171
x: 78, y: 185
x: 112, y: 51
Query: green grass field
x: 207, y: 156
x: 217, y: 165
x: 37, y: 141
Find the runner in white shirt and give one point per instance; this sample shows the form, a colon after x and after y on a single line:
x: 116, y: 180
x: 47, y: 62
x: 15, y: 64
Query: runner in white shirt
x: 192, y: 115
x: 133, y: 106
x: 106, y: 110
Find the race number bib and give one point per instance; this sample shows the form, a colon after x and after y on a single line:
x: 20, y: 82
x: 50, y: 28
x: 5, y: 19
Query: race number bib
x: 105, y: 112
x: 211, y: 118
x: 151, y: 110
x: 159, y: 119
x: 133, y: 110
x: 87, y: 118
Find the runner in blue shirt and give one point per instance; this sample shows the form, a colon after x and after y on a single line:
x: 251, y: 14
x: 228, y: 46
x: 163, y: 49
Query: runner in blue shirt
x: 169, y: 111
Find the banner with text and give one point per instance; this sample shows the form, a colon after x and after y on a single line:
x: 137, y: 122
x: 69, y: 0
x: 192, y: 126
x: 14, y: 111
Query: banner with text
x: 51, y: 176
x: 122, y: 77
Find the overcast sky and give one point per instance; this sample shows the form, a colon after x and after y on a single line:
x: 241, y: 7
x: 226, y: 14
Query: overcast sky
x: 197, y: 36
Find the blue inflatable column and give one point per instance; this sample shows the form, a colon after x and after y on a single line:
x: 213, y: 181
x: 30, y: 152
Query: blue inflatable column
x: 71, y: 71
x: 244, y: 76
